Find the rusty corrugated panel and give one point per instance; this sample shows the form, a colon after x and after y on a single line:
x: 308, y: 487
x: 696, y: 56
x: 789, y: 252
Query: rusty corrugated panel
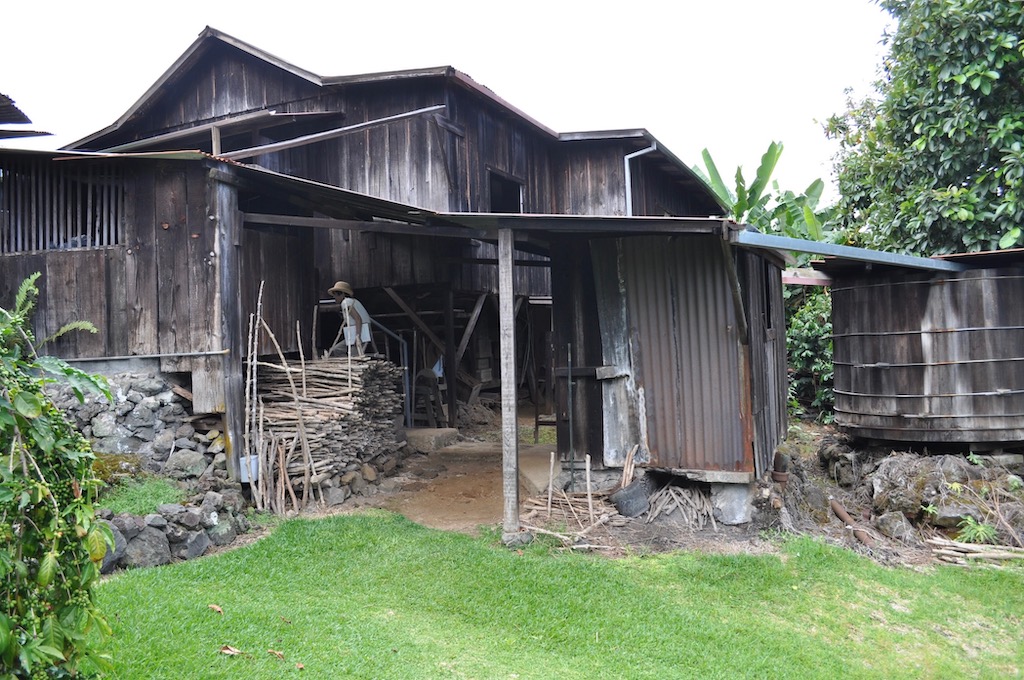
x: 685, y: 353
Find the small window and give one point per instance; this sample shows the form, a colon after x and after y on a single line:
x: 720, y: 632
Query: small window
x: 506, y: 194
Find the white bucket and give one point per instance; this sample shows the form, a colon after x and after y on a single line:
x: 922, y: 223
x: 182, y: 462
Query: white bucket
x: 249, y: 469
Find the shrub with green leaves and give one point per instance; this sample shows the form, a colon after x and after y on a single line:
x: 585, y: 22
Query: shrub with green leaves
x: 809, y: 345
x: 51, y: 545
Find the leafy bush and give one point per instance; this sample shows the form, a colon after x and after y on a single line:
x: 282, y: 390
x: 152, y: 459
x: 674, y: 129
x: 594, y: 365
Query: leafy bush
x: 141, y: 495
x: 51, y: 544
x: 809, y: 346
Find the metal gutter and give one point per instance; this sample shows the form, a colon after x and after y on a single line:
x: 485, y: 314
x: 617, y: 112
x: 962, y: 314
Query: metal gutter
x: 756, y: 239
x: 629, y: 174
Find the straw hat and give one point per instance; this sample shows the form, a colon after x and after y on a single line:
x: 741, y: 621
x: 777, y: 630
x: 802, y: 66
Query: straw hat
x: 341, y: 287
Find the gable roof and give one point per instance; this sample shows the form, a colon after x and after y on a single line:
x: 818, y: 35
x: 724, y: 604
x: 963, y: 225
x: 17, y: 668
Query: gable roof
x: 11, y: 114
x: 195, y: 52
x: 211, y: 38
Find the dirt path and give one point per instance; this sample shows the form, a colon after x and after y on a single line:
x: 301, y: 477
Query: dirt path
x: 460, y: 489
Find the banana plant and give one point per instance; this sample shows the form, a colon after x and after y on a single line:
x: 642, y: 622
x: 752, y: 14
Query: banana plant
x: 763, y: 205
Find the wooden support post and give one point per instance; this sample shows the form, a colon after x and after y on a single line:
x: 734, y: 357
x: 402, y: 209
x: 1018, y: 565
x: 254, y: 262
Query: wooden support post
x: 451, y: 368
x: 509, y: 424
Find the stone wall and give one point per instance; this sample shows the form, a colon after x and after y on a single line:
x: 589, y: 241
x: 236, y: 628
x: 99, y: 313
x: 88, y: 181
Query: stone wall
x: 148, y: 419
x: 174, y: 531
x: 151, y: 418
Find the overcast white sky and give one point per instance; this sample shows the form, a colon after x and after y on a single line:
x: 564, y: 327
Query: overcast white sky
x: 729, y: 75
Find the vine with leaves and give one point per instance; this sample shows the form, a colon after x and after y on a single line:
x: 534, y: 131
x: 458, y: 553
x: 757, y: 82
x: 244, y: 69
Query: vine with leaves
x: 52, y: 545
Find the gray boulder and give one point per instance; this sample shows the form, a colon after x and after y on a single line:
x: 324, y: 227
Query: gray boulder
x: 336, y: 495
x: 149, y: 549
x: 184, y: 464
x: 222, y: 533
x: 156, y: 521
x: 127, y: 525
x: 895, y: 526
x: 190, y: 518
x: 175, y: 533
x: 170, y: 510
x: 116, y: 552
x: 195, y: 544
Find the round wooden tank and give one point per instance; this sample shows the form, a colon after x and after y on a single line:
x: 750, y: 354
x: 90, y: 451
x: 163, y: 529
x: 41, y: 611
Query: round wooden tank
x: 930, y: 357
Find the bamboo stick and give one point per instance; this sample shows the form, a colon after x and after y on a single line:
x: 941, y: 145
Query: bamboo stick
x: 551, y: 482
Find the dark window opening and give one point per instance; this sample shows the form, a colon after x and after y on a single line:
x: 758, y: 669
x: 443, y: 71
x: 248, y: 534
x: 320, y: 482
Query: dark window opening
x: 506, y: 194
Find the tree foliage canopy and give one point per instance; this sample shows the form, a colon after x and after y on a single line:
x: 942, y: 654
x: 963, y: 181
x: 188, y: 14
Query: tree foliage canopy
x: 935, y: 164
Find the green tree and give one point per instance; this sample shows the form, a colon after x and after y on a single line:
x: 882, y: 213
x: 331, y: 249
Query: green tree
x: 51, y: 545
x: 934, y: 163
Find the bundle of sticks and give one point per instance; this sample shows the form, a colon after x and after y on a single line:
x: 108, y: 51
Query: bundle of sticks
x: 309, y: 421
x: 692, y: 503
x: 964, y: 554
x: 342, y: 423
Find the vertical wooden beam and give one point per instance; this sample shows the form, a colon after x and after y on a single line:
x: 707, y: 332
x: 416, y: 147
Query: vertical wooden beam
x: 509, y: 424
x: 451, y: 369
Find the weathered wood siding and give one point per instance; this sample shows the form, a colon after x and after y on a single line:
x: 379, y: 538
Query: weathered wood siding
x: 930, y: 358
x: 591, y: 179
x: 575, y: 324
x: 280, y: 259
x: 762, y: 285
x: 224, y: 82
x: 656, y: 193
x: 140, y: 294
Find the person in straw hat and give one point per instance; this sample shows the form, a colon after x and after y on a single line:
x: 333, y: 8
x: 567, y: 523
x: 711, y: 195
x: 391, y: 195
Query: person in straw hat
x: 355, y: 320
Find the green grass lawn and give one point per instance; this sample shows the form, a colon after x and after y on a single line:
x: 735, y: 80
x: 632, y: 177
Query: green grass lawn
x: 376, y: 596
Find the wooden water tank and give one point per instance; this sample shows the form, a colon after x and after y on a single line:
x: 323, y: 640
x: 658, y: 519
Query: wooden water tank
x: 931, y: 357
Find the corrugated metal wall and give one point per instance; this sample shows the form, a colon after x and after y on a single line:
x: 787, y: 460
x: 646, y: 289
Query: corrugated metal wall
x: 685, y: 353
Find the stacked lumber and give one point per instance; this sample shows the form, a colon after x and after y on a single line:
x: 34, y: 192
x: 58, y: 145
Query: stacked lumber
x: 319, y: 419
x: 692, y: 503
x: 965, y: 554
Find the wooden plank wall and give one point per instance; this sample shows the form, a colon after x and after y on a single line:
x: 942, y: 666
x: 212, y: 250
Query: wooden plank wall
x: 930, y: 357
x: 591, y: 179
x: 281, y: 259
x: 658, y: 194
x: 153, y: 293
x: 575, y: 321
x: 762, y: 286
x: 225, y: 82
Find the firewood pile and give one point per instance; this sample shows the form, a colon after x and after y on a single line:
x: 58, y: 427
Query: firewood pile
x: 966, y: 554
x: 692, y: 504
x: 318, y: 420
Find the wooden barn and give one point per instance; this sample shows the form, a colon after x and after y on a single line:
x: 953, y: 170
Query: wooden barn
x: 931, y: 358
x: 449, y: 211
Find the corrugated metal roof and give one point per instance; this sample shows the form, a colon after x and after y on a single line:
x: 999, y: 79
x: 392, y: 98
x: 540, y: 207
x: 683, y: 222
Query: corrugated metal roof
x: 12, y: 115
x: 9, y: 113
